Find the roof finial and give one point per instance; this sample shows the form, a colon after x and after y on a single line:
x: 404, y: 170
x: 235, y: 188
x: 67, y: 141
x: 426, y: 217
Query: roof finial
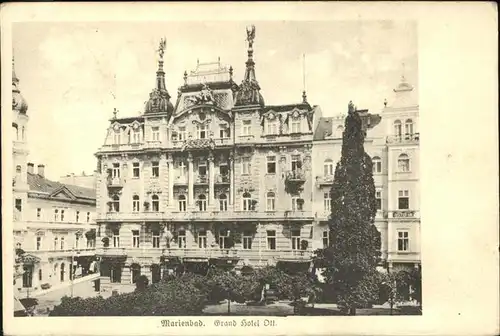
x: 185, y: 77
x: 231, y: 72
x: 115, y: 112
x: 385, y: 102
x: 304, y: 95
x: 403, y: 74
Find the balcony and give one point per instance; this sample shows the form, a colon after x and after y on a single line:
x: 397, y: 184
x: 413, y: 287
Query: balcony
x: 295, y: 255
x: 245, y: 139
x: 403, y: 214
x: 132, y: 216
x: 323, y: 215
x: 153, y: 144
x: 291, y: 137
x: 295, y: 176
x: 77, y: 252
x: 412, y: 138
x: 403, y: 256
x: 111, y: 251
x: 198, y: 144
x: 181, y: 180
x: 201, y: 179
x: 222, y: 179
x: 324, y: 180
x: 200, y: 253
x: 114, y: 182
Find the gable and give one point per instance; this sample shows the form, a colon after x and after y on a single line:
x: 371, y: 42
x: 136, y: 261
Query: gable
x: 63, y: 193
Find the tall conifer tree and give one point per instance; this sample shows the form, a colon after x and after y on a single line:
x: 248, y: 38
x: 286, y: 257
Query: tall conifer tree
x: 354, y: 251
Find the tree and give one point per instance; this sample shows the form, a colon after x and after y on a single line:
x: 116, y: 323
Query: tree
x: 141, y: 283
x: 354, y: 252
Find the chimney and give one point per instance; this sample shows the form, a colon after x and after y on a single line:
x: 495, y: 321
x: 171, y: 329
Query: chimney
x: 41, y: 170
x: 31, y: 168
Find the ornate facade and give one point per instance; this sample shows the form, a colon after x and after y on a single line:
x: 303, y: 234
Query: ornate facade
x: 53, y: 225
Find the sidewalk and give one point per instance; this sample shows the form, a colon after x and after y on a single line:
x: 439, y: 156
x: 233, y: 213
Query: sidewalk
x: 63, y: 285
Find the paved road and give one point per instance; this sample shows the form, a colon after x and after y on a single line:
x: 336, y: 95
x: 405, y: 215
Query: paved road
x: 49, y: 300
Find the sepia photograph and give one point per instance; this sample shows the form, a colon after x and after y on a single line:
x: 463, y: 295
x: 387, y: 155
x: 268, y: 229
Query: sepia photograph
x: 262, y: 174
x: 232, y: 169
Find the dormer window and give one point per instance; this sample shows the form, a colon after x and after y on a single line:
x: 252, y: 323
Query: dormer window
x: 272, y: 127
x: 117, y: 138
x: 201, y: 131
x: 295, y: 126
x: 246, y: 130
x: 156, y: 133
x: 136, y: 137
x: 181, y: 135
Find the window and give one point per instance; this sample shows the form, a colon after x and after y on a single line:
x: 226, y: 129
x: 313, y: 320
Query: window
x: 202, y: 202
x: 28, y: 276
x: 62, y: 243
x: 39, y: 214
x: 40, y: 275
x: 18, y: 169
x: 295, y: 239
x: 245, y: 166
x: 182, y: 133
x: 135, y: 238
x: 326, y: 239
x: 88, y: 217
x: 22, y: 132
x: 295, y: 126
x: 135, y: 203
x: 116, y: 238
x: 297, y: 203
x: 408, y: 127
x: 182, y: 203
x: 328, y: 168
x: 296, y: 164
x: 116, y: 170
x: 16, y: 131
x: 339, y: 131
x: 201, y: 131
x: 136, y: 272
x: 271, y: 164
x: 181, y: 239
x: 156, y: 239
x: 155, y: 168
x: 327, y: 202
x: 156, y: 133
x: 403, y: 163
x: 202, y: 239
x: 377, y: 165
x: 403, y: 241
x: 136, y: 137
x: 224, y: 238
x: 397, y: 128
x: 115, y: 274
x: 247, y: 202
x: 77, y: 216
x: 77, y: 241
x: 135, y: 170
x: 155, y: 203
x: 403, y: 200
x: 271, y: 201
x: 56, y: 215
x: 378, y: 197
x: 56, y: 243
x: 62, y: 215
x: 271, y: 239
x: 247, y: 240
x: 202, y: 171
x: 38, y: 243
x: 115, y: 204
x: 116, y: 138
x: 272, y: 127
x: 224, y: 132
x: 246, y: 130
x: 182, y: 169
x: 19, y: 204
x: 223, y: 202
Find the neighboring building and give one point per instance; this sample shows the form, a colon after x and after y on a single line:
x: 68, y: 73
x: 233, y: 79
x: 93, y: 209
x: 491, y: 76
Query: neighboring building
x: 393, y: 144
x: 54, y: 223
x: 83, y: 180
x: 218, y: 178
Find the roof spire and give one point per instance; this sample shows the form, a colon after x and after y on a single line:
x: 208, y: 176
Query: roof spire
x: 304, y: 95
x: 18, y: 102
x: 248, y: 93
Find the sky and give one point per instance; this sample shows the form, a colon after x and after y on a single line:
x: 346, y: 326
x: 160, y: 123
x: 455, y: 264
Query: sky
x: 74, y: 74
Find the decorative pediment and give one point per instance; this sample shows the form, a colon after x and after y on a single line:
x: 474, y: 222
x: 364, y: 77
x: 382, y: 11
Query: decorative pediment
x: 115, y: 126
x: 135, y: 125
x: 30, y: 259
x: 295, y: 113
x: 62, y: 193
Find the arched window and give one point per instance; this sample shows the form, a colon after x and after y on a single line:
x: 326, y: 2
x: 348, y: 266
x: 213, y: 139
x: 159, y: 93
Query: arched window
x: 271, y: 201
x: 115, y: 204
x: 247, y: 202
x: 202, y: 202
x: 155, y: 203
x: 22, y: 133
x: 18, y: 169
x: 397, y: 128
x: 339, y: 131
x: 135, y: 203
x: 328, y: 167
x: 403, y: 163
x: 15, y: 130
x: 223, y: 202
x: 182, y: 202
x: 408, y: 127
x: 377, y: 165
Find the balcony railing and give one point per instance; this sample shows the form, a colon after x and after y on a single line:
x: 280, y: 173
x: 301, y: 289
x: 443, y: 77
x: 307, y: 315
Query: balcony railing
x: 404, y: 138
x: 199, y: 252
x: 245, y: 139
x: 152, y: 144
x: 295, y: 255
x: 324, y: 180
x: 64, y: 252
x: 181, y: 180
x: 296, y: 176
x: 222, y: 179
x: 403, y: 214
x: 114, y: 182
x: 207, y: 143
x: 201, y: 179
x: 111, y: 251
